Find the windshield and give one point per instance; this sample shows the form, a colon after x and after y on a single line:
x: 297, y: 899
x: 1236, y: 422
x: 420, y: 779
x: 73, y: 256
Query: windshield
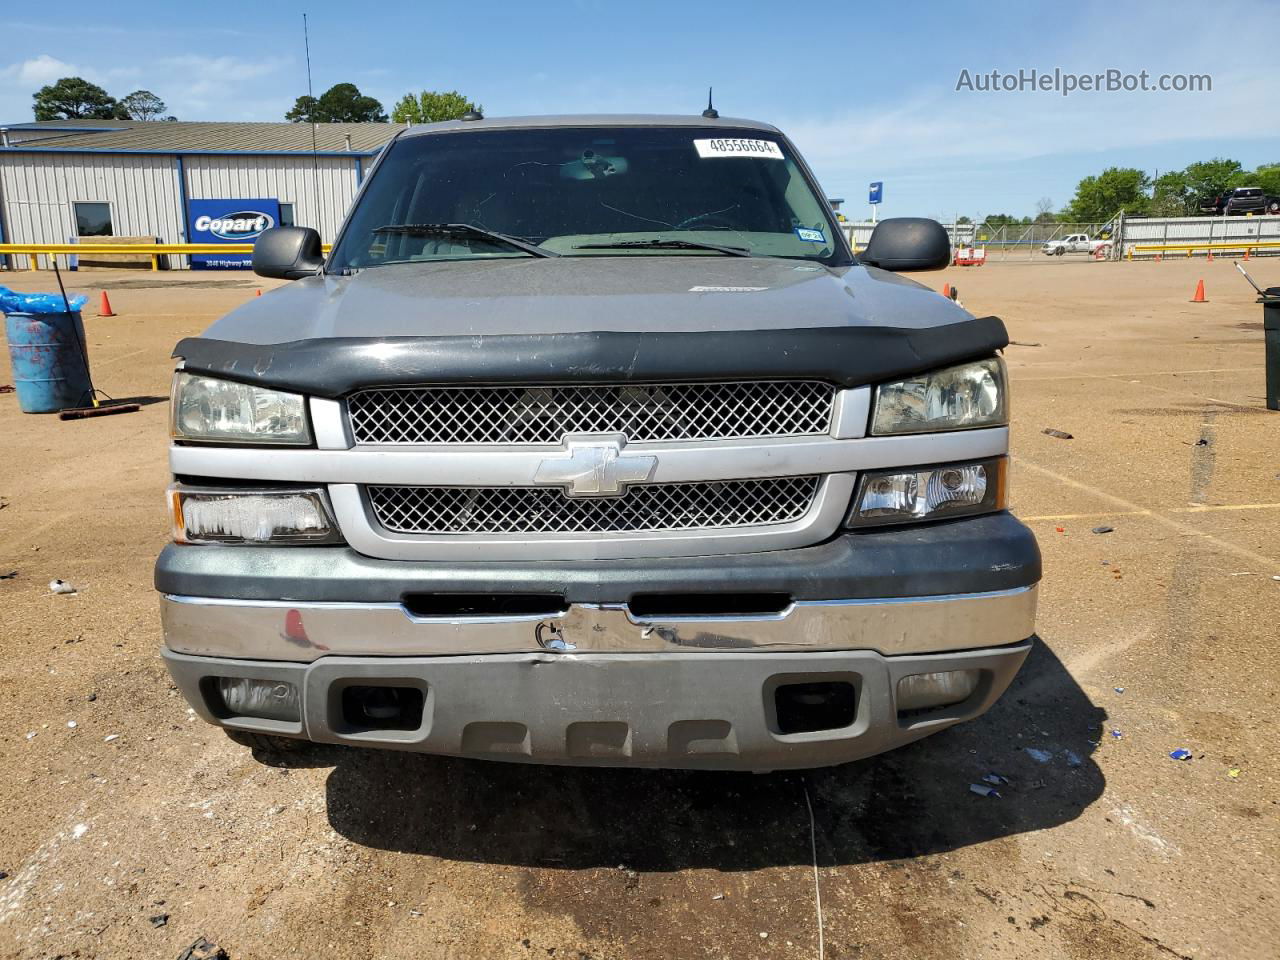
x: 598, y: 191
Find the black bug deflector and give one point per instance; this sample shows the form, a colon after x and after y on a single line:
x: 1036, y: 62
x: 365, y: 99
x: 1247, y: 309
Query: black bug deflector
x: 848, y: 356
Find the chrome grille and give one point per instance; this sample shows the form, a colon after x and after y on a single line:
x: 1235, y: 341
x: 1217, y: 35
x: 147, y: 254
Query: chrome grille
x: 644, y: 507
x: 546, y: 414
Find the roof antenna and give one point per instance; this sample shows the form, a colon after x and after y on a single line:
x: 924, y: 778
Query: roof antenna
x: 710, y: 113
x: 311, y: 120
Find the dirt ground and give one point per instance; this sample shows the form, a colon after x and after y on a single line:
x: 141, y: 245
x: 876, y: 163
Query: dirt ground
x: 1159, y: 635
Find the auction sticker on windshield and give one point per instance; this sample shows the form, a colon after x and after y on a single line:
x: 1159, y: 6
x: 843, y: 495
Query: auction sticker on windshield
x: 738, y: 148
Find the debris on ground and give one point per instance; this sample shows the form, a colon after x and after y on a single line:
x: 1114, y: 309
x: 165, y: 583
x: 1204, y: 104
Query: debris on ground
x: 1024, y: 343
x: 8, y: 576
x: 202, y: 949
x: 1234, y: 773
x: 3, y: 875
x: 1073, y: 759
x: 718, y: 896
x: 6, y: 388
x: 982, y: 790
x: 1039, y: 756
x: 1104, y: 529
x: 61, y: 586
x: 1060, y: 434
x: 1182, y: 753
x: 159, y: 920
x: 71, y: 724
x: 1118, y: 689
x: 1202, y: 442
x: 110, y: 736
x: 995, y: 779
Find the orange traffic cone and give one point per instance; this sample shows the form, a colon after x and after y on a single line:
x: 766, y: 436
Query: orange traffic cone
x: 104, y: 308
x: 258, y: 293
x: 1211, y: 256
x: 946, y: 290
x: 1246, y: 254
x: 1199, y: 297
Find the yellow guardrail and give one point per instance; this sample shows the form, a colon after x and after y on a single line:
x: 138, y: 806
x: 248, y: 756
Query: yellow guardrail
x: 32, y: 251
x: 1190, y: 248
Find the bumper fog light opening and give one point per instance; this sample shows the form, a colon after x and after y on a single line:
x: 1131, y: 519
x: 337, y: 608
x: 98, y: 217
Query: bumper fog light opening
x: 237, y: 697
x: 921, y: 694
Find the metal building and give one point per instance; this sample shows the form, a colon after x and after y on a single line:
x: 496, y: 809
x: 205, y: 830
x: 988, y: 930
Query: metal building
x: 67, y: 179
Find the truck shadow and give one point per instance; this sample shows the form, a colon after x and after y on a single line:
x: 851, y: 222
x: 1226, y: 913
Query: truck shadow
x: 911, y: 802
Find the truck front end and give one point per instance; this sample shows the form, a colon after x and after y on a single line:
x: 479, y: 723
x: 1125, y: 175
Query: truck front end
x: 698, y: 491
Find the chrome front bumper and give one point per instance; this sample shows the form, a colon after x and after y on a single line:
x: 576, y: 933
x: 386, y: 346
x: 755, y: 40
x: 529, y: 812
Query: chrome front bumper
x: 677, y: 710
x: 305, y: 632
x: 595, y: 684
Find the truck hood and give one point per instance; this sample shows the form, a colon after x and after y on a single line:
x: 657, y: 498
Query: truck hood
x: 579, y: 294
x: 597, y: 319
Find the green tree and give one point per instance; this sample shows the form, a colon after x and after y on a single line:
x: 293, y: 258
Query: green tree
x: 73, y: 98
x: 429, y: 106
x: 341, y: 103
x: 141, y: 105
x: 1210, y: 177
x: 1172, y: 196
x: 1098, y: 198
x: 1267, y: 176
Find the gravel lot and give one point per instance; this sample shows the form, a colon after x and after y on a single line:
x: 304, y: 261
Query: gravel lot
x: 139, y: 811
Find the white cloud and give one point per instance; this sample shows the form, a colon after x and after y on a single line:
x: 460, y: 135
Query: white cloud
x: 196, y: 86
x: 38, y: 71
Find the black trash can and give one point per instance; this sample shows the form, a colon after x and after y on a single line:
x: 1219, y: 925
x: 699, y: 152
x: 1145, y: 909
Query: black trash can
x: 1270, y: 301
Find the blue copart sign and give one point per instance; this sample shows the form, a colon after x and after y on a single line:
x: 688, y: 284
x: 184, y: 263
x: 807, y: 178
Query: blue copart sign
x: 876, y: 193
x: 228, y: 221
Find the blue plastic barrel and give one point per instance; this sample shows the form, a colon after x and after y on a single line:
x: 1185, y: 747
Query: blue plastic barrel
x: 48, y: 355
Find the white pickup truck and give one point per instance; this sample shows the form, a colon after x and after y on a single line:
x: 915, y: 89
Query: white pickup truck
x: 1075, y: 243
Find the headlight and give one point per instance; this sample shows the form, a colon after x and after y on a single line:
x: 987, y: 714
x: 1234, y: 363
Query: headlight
x: 930, y: 493
x: 957, y: 398
x: 281, y: 516
x: 206, y: 408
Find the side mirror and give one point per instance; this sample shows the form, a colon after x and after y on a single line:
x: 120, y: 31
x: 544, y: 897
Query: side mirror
x: 287, y: 253
x: 905, y: 243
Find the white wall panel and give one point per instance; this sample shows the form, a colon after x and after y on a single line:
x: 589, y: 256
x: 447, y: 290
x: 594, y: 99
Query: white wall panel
x: 38, y: 189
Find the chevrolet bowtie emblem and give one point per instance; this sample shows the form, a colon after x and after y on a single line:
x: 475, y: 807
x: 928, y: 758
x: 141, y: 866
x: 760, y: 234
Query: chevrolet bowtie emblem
x: 595, y: 468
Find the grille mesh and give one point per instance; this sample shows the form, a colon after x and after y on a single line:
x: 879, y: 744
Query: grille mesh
x: 545, y: 414
x: 644, y: 507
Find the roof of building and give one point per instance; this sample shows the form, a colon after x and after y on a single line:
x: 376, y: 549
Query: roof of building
x: 592, y: 120
x: 185, y: 137
x: 176, y: 136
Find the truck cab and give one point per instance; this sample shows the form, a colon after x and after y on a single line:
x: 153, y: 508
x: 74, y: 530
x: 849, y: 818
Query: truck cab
x: 592, y: 442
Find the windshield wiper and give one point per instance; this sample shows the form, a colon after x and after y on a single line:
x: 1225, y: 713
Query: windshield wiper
x: 668, y: 244
x: 464, y: 230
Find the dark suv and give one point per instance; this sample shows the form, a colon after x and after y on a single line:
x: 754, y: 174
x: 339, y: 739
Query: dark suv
x: 1242, y: 200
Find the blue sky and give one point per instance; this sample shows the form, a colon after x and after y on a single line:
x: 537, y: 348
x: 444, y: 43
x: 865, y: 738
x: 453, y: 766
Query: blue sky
x: 867, y: 91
